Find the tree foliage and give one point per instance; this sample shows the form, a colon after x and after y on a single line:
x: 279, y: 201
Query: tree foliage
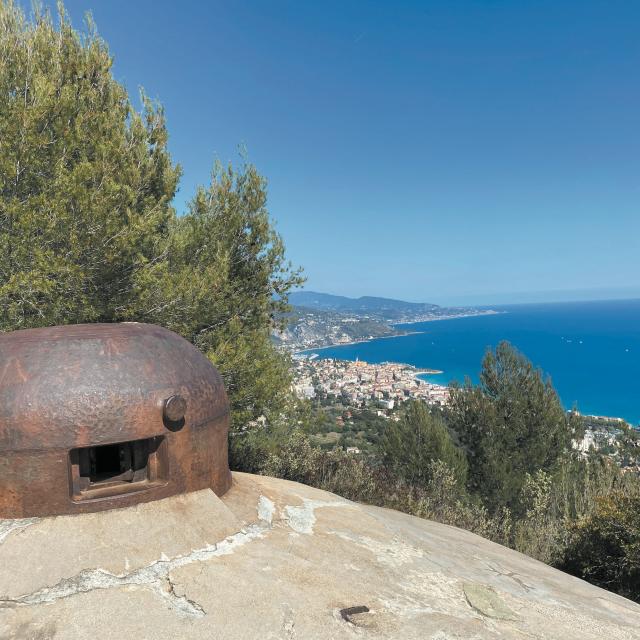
x: 511, y: 424
x: 409, y: 446
x: 86, y: 182
x: 223, y: 284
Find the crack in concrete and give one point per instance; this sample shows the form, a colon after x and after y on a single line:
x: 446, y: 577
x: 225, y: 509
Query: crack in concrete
x: 155, y: 576
x: 512, y: 575
x: 184, y: 604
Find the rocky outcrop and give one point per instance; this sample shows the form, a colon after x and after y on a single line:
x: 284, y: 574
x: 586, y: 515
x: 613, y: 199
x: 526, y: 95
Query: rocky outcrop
x: 276, y: 559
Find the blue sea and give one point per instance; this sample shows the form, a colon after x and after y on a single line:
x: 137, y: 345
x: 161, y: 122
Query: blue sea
x: 591, y: 350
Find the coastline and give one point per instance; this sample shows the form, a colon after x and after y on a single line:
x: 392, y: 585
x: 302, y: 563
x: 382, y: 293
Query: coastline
x: 431, y: 372
x: 416, y: 373
x: 346, y: 344
x: 489, y: 312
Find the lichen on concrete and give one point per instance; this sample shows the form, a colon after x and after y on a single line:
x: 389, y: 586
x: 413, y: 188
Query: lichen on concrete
x: 393, y: 552
x: 266, y: 509
x: 487, y: 602
x: 302, y: 518
x: 9, y: 526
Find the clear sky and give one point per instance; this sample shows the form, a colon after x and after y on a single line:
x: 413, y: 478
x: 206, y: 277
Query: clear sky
x: 451, y: 152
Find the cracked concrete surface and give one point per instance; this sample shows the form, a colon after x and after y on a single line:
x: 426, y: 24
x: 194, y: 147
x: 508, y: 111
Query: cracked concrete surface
x: 276, y: 560
x: 155, y: 576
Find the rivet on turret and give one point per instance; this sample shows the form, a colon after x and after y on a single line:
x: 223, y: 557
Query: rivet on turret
x: 174, y: 408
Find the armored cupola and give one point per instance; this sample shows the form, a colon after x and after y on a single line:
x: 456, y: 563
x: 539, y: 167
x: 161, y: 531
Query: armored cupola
x: 99, y: 416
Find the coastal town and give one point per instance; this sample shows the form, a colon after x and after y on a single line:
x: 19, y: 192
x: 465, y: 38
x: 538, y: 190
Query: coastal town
x: 361, y: 384
x: 380, y: 390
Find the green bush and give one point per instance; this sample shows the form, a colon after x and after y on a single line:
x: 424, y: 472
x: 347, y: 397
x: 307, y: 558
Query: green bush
x: 604, y: 547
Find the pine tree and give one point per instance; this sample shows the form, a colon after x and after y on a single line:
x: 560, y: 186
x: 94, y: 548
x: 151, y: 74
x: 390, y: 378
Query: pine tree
x: 86, y: 182
x: 224, y: 285
x: 409, y: 446
x: 511, y: 424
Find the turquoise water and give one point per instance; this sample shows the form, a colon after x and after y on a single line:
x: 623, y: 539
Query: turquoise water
x: 590, y: 349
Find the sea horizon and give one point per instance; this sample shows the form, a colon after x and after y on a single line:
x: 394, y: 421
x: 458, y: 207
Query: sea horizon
x: 590, y: 349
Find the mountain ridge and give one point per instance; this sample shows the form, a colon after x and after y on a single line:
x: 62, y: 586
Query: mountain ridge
x: 363, y: 304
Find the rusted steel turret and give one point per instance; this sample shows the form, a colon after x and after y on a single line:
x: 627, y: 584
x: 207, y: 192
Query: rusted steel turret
x: 100, y: 416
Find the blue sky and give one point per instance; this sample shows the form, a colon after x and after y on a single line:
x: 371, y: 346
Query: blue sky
x: 452, y: 152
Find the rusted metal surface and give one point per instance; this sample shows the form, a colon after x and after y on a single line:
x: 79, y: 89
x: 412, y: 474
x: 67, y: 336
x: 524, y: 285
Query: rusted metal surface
x: 101, y: 416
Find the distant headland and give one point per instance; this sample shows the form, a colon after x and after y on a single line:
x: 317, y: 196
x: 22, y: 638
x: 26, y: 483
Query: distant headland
x: 323, y: 320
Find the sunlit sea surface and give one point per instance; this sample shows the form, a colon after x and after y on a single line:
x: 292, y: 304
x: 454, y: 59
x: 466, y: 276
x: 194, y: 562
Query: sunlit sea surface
x: 591, y: 350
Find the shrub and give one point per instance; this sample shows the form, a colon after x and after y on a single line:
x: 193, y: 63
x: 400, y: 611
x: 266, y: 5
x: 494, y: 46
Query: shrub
x: 604, y: 547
